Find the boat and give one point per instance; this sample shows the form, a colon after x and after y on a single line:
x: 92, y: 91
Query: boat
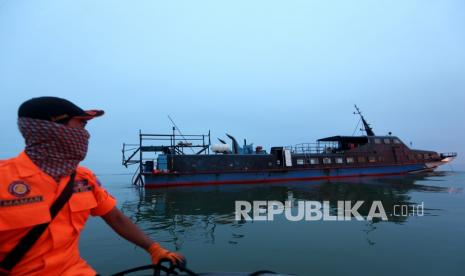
x: 172, y: 269
x: 175, y: 159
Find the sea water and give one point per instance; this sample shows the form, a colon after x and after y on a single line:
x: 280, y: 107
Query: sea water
x: 200, y: 223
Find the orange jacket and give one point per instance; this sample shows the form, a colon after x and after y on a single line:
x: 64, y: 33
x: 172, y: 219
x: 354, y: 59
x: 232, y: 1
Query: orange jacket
x: 26, y: 194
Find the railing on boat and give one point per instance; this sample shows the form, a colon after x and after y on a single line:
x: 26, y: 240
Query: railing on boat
x: 448, y: 154
x: 136, y: 154
x: 314, y: 148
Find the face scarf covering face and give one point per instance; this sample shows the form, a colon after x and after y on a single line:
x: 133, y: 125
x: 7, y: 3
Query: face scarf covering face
x: 55, y: 148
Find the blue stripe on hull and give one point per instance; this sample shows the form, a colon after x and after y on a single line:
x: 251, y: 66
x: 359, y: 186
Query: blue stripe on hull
x: 172, y: 179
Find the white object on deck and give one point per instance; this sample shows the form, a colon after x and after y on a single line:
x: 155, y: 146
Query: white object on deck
x: 287, y: 158
x: 221, y: 148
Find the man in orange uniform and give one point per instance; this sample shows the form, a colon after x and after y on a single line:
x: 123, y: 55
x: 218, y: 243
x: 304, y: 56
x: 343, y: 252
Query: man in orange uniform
x: 56, y: 141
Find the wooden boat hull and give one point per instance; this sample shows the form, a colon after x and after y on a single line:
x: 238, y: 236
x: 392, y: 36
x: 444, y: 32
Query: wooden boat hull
x: 173, y: 179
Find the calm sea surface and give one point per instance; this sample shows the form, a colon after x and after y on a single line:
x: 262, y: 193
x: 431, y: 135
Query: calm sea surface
x: 200, y: 223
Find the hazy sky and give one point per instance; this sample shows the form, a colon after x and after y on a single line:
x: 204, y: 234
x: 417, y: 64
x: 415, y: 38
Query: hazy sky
x: 274, y: 72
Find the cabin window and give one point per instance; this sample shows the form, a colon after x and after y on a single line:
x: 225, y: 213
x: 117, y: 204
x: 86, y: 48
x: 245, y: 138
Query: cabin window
x: 381, y: 158
x: 350, y: 160
x: 377, y: 141
x: 387, y: 141
x: 419, y: 156
x: 339, y: 160
x: 300, y: 161
x: 426, y: 156
x: 371, y: 159
x: 326, y: 160
x: 396, y: 141
x: 361, y: 159
x: 313, y: 161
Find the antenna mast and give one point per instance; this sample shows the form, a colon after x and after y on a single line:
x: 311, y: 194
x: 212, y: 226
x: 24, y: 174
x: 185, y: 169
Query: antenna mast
x: 177, y: 128
x: 366, y: 126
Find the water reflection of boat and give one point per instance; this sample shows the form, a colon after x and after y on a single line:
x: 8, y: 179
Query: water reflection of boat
x: 195, y: 212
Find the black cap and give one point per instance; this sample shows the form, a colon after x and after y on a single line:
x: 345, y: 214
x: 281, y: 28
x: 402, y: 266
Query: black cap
x: 55, y: 109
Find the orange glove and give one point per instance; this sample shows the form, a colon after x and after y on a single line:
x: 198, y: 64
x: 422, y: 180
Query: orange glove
x: 158, y: 253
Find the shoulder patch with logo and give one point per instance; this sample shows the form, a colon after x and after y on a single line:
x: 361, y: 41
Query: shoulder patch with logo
x: 82, y: 186
x: 19, y: 188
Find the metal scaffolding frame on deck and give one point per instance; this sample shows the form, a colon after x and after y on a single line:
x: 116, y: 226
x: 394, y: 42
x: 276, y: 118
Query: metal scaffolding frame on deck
x: 134, y: 154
